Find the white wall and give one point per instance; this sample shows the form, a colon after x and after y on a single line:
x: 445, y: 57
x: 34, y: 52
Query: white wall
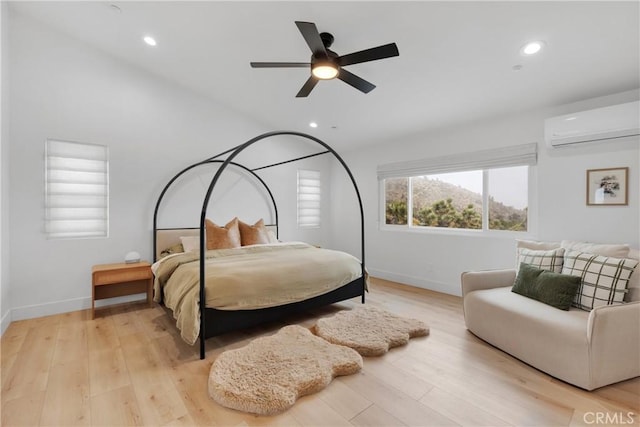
x: 435, y: 260
x: 64, y: 89
x: 5, y: 311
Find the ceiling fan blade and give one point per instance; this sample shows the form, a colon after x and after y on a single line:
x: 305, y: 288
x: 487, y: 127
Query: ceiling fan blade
x: 307, y: 87
x: 373, y: 54
x: 312, y: 37
x: 355, y: 81
x: 280, y: 64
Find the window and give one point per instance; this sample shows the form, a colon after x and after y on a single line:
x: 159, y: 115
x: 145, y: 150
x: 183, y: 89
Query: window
x: 76, y: 190
x: 493, y: 195
x: 309, y: 191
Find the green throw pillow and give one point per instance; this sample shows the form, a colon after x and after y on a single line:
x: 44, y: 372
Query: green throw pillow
x: 555, y: 289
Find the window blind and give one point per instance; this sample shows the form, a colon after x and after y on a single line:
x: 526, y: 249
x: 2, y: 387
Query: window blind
x: 76, y: 190
x: 517, y: 155
x: 309, y: 192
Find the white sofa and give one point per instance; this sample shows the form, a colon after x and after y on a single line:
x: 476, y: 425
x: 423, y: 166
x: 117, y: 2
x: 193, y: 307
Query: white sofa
x: 586, y: 349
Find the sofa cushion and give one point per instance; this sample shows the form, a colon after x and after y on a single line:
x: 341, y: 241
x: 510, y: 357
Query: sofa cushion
x: 550, y: 260
x: 552, y: 340
x: 604, y: 279
x: 554, y: 289
x: 614, y: 250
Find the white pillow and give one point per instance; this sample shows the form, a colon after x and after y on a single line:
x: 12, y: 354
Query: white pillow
x: 550, y: 260
x: 533, y: 245
x: 190, y: 243
x: 604, y: 279
x: 634, y: 281
x: 617, y: 251
x: 536, y: 245
x: 272, y: 236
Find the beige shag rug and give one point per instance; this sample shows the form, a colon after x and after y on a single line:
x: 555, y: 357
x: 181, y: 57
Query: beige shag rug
x: 369, y: 330
x: 269, y: 374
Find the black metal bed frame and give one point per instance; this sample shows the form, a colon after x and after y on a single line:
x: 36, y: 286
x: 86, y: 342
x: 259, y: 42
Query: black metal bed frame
x: 215, y: 322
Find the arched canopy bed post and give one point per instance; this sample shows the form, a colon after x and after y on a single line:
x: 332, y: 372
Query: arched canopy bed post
x: 205, y: 162
x: 245, y: 318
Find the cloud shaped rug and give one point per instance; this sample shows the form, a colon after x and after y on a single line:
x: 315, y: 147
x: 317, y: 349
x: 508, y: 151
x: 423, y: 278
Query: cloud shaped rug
x: 369, y: 330
x: 270, y: 373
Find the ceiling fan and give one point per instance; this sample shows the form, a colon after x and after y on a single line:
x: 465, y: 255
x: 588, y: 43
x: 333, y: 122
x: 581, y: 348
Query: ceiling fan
x: 326, y: 64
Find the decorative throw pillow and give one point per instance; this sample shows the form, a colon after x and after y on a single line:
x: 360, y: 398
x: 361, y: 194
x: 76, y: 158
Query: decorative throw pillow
x: 172, y: 250
x: 536, y: 245
x: 227, y: 237
x: 190, y: 243
x: 604, y: 279
x: 614, y: 250
x: 634, y: 281
x: 254, y: 234
x: 554, y: 289
x: 550, y: 260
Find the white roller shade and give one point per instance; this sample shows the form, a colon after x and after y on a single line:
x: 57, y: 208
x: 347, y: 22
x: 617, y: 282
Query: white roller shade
x: 76, y: 190
x: 518, y: 155
x: 309, y: 196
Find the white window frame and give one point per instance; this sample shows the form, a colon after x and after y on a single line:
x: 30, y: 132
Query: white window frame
x: 519, y: 155
x: 309, y: 198
x: 76, y: 190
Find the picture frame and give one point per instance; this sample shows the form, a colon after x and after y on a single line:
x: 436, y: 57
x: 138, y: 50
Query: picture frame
x: 608, y: 187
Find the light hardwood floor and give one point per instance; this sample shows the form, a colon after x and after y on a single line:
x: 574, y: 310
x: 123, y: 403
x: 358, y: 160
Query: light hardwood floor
x: 130, y: 367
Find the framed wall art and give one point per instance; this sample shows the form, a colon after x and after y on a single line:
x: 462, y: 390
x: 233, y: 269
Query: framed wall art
x: 608, y: 187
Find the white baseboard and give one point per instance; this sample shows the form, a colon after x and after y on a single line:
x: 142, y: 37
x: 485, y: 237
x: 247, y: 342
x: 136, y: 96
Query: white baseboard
x: 419, y: 282
x: 65, y: 306
x: 5, y: 322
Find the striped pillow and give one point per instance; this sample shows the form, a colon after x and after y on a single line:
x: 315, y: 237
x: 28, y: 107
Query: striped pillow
x: 550, y: 260
x: 604, y: 279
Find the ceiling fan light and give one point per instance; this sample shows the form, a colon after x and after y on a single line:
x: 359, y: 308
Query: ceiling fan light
x: 324, y: 71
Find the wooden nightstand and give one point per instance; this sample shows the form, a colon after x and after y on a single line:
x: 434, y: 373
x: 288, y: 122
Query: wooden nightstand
x: 115, y: 280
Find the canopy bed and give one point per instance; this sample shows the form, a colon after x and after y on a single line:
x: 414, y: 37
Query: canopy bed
x: 269, y: 280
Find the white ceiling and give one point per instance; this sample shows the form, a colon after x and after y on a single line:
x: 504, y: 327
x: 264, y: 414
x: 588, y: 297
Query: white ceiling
x: 455, y: 62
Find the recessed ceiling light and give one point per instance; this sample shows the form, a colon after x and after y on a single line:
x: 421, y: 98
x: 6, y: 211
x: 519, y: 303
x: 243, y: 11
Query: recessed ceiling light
x: 313, y: 124
x: 149, y: 40
x: 532, y: 48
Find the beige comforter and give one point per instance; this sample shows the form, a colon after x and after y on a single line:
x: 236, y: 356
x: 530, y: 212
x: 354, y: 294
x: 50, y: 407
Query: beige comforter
x: 249, y: 277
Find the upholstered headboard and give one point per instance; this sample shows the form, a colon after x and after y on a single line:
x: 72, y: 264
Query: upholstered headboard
x: 167, y: 237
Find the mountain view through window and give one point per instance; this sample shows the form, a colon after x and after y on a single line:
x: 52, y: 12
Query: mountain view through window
x: 455, y: 200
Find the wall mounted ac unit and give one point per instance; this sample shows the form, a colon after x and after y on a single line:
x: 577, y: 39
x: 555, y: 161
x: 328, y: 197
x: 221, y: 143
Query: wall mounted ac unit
x: 615, y: 121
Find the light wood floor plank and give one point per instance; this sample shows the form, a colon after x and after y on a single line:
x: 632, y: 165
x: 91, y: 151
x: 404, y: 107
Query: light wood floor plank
x: 115, y: 408
x: 71, y: 343
x: 310, y: 411
x: 30, y: 371
x: 398, y: 404
x: 71, y: 407
x: 107, y: 371
x: 391, y: 375
x: 461, y: 411
x: 101, y: 334
x: 376, y: 416
x: 23, y: 411
x: 342, y: 400
x: 130, y: 367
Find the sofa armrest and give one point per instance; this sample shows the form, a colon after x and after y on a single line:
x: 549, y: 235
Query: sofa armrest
x: 613, y: 333
x: 487, y: 279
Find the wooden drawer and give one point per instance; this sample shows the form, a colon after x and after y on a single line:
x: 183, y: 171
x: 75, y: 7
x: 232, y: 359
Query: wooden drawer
x: 121, y: 275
